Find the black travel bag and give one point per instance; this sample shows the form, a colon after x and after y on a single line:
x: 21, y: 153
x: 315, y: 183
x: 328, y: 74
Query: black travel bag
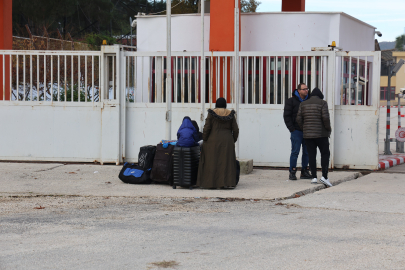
x: 185, y: 166
x: 162, y: 169
x: 134, y: 174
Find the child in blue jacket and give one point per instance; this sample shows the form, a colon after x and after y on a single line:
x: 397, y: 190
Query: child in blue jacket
x: 187, y: 135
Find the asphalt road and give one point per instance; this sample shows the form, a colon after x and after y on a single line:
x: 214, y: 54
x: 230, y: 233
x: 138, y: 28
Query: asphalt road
x: 357, y: 224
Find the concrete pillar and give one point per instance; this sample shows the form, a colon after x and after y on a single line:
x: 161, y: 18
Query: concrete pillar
x: 6, y: 43
x: 222, y: 35
x: 293, y: 5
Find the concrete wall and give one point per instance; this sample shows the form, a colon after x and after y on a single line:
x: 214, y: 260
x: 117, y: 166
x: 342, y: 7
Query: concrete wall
x: 287, y: 31
x: 186, y: 33
x: 355, y: 35
x: 43, y: 43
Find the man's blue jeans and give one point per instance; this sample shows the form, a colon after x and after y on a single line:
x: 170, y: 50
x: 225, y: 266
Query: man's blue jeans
x: 297, y: 139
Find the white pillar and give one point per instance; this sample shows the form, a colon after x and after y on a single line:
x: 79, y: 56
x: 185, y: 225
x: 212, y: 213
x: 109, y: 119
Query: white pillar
x: 168, y: 72
x: 202, y: 80
x: 236, y: 70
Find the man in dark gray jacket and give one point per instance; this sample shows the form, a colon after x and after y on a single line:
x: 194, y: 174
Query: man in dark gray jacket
x: 313, y: 118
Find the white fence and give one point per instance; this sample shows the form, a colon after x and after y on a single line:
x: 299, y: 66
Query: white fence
x: 102, y: 106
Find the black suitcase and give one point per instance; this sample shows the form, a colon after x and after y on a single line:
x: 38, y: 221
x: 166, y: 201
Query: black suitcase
x: 162, y: 169
x: 146, y: 156
x: 185, y: 166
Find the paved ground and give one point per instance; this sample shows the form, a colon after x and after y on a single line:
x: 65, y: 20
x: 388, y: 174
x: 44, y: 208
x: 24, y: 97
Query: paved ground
x: 96, y: 180
x: 55, y: 216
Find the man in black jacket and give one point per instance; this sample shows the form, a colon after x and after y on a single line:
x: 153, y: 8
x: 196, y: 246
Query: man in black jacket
x: 297, y: 140
x: 313, y: 118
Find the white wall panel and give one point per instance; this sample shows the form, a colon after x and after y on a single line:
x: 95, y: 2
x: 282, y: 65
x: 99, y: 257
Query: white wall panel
x: 186, y: 33
x: 356, y: 137
x: 288, y: 31
x: 53, y: 132
x: 146, y: 124
x: 355, y: 35
x: 110, y: 130
x: 263, y: 135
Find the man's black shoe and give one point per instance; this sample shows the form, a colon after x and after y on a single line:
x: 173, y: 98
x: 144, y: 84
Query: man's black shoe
x: 292, y: 175
x: 305, y: 175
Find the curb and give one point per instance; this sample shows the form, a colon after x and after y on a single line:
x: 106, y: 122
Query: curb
x: 385, y: 164
x: 320, y: 187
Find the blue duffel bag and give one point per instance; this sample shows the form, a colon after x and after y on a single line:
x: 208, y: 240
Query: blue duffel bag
x: 134, y: 174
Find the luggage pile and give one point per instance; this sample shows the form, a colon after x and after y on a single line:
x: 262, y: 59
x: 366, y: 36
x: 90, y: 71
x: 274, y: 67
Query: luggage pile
x: 170, y: 162
x: 173, y: 165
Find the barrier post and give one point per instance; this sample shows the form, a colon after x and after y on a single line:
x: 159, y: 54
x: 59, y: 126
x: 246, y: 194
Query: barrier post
x: 387, y: 150
x: 399, y: 145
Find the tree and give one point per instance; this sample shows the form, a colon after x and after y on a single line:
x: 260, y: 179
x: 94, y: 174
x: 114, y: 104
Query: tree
x: 182, y: 7
x: 249, y: 5
x: 400, y: 43
x: 79, y: 17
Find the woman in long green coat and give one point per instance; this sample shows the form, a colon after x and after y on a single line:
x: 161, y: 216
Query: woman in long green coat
x: 217, y: 167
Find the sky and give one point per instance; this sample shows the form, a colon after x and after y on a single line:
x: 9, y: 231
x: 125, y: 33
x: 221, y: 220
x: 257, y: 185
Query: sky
x: 388, y: 16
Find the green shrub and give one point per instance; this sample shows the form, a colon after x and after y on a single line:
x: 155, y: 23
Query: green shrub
x: 96, y: 40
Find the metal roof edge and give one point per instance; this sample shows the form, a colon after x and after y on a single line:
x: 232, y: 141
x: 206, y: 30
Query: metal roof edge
x: 173, y: 15
x: 264, y: 13
x: 355, y: 19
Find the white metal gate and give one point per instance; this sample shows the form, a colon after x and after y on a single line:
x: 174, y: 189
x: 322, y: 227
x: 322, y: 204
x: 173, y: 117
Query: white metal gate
x: 102, y: 106
x: 56, y: 106
x: 357, y: 110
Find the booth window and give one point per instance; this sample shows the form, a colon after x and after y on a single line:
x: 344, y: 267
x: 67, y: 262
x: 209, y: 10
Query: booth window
x: 384, y: 93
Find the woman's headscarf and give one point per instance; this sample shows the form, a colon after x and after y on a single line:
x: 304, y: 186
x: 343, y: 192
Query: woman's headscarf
x: 221, y: 103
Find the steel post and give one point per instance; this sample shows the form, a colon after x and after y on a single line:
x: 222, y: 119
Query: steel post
x: 202, y: 70
x: 387, y: 150
x: 399, y: 145
x: 168, y: 72
x: 236, y: 69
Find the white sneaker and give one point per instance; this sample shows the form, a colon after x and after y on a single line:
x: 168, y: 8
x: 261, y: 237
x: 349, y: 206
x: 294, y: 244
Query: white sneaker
x: 325, y: 182
x: 314, y: 181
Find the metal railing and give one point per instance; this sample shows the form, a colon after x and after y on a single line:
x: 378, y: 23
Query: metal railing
x: 272, y: 79
x: 355, y: 77
x: 264, y: 78
x: 57, y: 76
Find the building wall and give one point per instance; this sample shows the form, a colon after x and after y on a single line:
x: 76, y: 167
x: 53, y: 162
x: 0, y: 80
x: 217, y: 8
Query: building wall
x: 355, y: 35
x: 397, y: 81
x: 186, y: 33
x: 288, y: 31
x: 278, y: 31
x: 400, y: 76
x: 384, y: 81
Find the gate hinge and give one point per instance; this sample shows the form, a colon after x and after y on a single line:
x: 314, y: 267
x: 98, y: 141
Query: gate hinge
x: 167, y: 115
x: 202, y: 117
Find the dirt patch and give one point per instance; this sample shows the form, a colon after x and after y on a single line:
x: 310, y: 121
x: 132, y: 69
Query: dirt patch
x: 163, y: 264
